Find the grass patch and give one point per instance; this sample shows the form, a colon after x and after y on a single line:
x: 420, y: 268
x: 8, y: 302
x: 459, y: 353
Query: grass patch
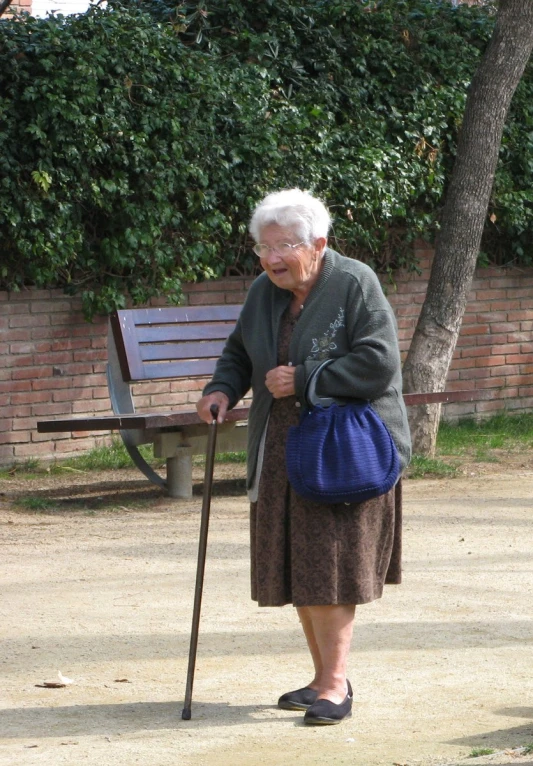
x: 501, y: 431
x: 528, y: 749
x: 110, y: 457
x: 477, y: 441
x: 30, y: 468
x: 421, y: 467
x: 482, y: 455
x: 222, y: 457
x: 232, y: 457
x: 477, y: 752
x: 114, y: 456
x: 35, y: 504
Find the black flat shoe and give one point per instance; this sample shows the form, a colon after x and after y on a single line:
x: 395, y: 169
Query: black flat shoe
x: 324, y: 712
x: 300, y: 699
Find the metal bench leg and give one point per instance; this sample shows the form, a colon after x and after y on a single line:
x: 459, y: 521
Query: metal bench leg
x: 144, y: 467
x: 179, y: 474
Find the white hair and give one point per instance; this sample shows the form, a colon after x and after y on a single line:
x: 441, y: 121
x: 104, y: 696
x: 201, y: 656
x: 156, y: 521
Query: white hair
x: 295, y: 209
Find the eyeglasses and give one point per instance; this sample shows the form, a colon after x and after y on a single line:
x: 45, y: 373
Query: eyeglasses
x: 283, y: 250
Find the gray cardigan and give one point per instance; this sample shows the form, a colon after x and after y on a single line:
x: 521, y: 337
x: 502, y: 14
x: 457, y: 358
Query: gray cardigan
x: 346, y: 317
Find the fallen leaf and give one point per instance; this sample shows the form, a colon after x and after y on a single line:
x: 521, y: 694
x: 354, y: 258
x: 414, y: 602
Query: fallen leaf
x: 59, y: 684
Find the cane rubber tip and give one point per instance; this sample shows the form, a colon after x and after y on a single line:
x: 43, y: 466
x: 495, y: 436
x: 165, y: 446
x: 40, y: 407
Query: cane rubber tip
x: 186, y: 714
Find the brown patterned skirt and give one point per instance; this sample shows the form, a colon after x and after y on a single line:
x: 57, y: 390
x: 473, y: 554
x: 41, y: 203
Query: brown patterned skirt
x: 308, y: 553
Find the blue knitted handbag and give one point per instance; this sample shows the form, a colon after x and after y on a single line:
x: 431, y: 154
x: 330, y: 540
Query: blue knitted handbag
x: 340, y: 453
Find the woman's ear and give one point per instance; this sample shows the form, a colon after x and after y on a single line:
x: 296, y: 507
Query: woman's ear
x: 320, y: 244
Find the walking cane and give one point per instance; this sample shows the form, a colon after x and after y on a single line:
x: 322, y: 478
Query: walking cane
x: 202, y: 546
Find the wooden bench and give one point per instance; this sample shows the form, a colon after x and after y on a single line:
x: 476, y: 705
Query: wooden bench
x: 176, y: 343
x: 152, y: 344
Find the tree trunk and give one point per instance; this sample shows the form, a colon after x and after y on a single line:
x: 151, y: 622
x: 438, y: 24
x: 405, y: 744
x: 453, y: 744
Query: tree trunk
x: 4, y: 5
x: 464, y: 213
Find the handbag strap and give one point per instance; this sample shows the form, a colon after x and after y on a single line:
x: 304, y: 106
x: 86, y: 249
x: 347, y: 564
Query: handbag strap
x: 310, y: 394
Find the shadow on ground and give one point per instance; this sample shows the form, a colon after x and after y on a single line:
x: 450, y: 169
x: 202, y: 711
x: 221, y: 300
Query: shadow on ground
x: 104, y: 495
x: 122, y: 718
x: 498, y: 738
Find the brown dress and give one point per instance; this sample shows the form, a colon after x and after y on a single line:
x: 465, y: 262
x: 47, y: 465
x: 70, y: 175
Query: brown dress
x: 308, y: 553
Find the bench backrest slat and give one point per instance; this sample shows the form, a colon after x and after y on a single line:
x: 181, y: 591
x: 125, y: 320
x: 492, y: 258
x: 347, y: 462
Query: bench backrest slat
x: 184, y: 314
x: 184, y: 332
x: 171, y: 342
x: 169, y: 352
x: 175, y: 370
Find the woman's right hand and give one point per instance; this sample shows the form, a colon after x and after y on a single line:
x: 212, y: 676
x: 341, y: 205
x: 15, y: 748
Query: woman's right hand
x: 203, y: 406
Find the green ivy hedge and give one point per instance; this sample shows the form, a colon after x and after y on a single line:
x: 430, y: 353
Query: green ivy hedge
x: 136, y: 139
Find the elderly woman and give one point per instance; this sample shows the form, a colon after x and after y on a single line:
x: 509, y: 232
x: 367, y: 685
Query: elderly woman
x: 311, y: 304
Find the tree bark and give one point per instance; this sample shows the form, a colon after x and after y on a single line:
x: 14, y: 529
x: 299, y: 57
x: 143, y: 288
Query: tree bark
x: 464, y: 213
x: 4, y: 5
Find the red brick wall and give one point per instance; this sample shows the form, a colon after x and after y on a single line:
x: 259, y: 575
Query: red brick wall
x: 52, y: 362
x: 495, y: 347
x: 18, y: 5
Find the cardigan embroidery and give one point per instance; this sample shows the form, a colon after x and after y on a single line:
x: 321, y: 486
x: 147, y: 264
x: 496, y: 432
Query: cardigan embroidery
x: 325, y: 343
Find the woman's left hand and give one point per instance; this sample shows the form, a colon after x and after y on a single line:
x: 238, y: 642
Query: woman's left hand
x: 280, y: 381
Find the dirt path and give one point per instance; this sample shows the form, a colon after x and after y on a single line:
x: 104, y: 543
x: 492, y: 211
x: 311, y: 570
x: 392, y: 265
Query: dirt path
x: 99, y: 584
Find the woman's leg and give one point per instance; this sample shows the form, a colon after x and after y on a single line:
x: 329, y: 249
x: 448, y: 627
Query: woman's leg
x: 328, y: 630
x: 307, y: 625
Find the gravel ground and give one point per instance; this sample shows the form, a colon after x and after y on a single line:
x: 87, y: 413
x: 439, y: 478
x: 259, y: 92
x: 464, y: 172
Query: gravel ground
x: 97, y: 582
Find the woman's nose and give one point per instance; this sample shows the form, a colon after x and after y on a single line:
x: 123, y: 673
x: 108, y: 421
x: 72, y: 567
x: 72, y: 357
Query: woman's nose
x: 272, y: 256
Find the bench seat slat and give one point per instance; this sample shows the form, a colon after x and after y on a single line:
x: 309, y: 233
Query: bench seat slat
x: 125, y: 422
x: 446, y: 397
x: 175, y: 419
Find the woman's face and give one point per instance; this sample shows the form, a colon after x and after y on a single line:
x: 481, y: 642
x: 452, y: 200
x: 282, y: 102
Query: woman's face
x: 297, y: 270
